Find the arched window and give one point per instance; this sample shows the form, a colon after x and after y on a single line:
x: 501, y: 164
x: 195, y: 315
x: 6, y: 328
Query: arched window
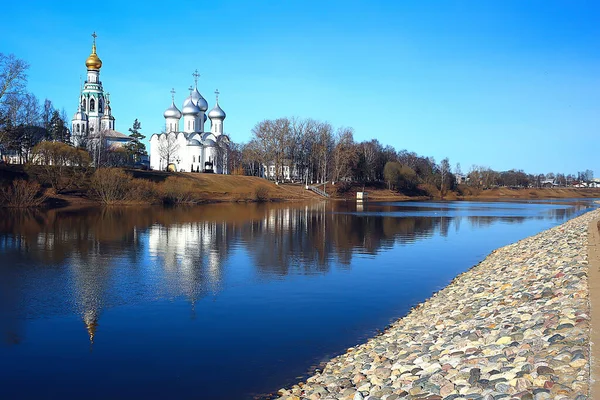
x: 83, y: 104
x: 77, y: 129
x: 100, y: 105
x: 194, y: 159
x: 92, y: 105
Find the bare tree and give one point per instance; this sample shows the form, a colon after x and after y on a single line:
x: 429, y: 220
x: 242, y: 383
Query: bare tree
x: 444, y: 172
x: 168, y: 147
x: 324, y: 147
x: 13, y: 77
x: 344, y: 153
x: 272, y: 138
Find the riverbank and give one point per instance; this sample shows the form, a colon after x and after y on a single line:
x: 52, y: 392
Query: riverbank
x: 463, y: 192
x: 74, y: 187
x: 517, y: 325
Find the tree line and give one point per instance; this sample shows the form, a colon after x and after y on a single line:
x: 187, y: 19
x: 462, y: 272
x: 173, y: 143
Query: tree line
x: 319, y: 152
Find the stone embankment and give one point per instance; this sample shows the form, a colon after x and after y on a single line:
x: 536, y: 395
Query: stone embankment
x: 516, y: 326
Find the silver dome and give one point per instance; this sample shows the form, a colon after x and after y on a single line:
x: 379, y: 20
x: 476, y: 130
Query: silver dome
x: 205, y: 117
x: 217, y: 112
x: 172, y: 112
x: 80, y: 116
x: 189, y: 108
x: 209, y: 142
x: 194, y: 142
x: 199, y: 100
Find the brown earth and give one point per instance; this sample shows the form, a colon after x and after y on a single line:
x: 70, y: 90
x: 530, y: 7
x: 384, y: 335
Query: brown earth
x: 237, y: 188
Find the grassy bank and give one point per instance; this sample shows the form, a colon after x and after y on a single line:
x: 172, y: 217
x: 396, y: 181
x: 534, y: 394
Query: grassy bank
x: 33, y: 186
x: 125, y: 186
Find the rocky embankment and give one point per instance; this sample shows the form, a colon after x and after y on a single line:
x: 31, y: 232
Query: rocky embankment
x: 516, y: 326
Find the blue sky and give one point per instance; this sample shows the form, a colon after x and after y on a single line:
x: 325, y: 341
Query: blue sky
x: 505, y: 84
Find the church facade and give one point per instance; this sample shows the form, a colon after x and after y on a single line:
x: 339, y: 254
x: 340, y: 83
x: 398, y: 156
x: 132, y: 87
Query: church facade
x: 185, y: 145
x: 93, y: 122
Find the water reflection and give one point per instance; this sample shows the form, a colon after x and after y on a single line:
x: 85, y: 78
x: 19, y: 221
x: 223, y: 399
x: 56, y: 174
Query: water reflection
x: 64, y: 263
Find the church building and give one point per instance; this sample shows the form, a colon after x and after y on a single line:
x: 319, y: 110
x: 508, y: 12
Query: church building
x: 185, y: 145
x: 93, y: 122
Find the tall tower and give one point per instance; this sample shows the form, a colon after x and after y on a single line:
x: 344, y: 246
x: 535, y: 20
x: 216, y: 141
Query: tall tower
x: 92, y: 101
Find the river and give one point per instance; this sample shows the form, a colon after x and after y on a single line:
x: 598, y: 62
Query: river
x: 225, y: 301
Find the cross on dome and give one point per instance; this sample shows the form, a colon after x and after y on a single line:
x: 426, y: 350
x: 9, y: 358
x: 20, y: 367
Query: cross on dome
x: 217, y: 94
x: 190, y: 89
x: 196, y: 75
x: 173, y: 94
x: 94, y: 36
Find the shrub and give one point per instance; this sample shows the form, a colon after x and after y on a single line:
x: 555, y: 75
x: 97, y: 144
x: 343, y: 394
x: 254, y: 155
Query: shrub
x: 145, y: 191
x: 177, y: 190
x: 261, y: 193
x: 59, y: 165
x: 22, y: 194
x: 111, y: 185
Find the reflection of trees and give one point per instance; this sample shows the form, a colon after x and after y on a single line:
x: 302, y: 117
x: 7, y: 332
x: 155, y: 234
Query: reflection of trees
x: 83, y: 261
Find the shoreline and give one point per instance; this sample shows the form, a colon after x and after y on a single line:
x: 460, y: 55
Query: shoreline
x: 516, y: 325
x: 58, y: 201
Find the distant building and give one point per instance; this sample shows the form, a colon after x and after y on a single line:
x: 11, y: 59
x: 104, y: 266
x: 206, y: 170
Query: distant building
x: 93, y: 123
x: 191, y: 148
x: 548, y: 183
x: 287, y: 171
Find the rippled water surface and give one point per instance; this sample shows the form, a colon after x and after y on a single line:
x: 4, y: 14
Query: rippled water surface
x: 224, y: 301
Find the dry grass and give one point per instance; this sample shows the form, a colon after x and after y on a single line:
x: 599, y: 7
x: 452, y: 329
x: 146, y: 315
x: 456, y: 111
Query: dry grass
x: 22, y: 194
x: 215, y: 187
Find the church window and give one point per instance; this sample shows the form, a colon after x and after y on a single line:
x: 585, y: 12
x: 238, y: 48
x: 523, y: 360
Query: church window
x: 83, y: 104
x: 77, y: 129
x: 194, y: 159
x: 92, y: 105
x: 188, y: 125
x: 100, y: 105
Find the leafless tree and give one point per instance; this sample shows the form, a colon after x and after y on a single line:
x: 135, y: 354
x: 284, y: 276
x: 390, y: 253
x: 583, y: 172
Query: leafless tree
x: 13, y: 77
x: 168, y: 146
x: 272, y: 138
x: 444, y: 172
x: 344, y: 153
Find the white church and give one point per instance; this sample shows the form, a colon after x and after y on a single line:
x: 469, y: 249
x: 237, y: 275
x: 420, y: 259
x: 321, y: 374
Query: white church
x: 191, y: 149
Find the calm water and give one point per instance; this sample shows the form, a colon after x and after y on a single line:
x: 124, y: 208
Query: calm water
x: 224, y: 301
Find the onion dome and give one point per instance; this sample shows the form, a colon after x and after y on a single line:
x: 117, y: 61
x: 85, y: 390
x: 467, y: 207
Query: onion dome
x: 189, y: 108
x: 199, y: 100
x: 93, y: 61
x: 209, y: 142
x: 80, y: 116
x: 172, y: 112
x: 217, y: 113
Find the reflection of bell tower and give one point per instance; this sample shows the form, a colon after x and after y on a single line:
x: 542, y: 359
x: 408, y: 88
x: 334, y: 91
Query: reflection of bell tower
x: 90, y: 277
x: 90, y: 318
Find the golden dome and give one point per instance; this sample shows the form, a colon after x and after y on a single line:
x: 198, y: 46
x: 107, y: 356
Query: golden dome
x: 93, y: 61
